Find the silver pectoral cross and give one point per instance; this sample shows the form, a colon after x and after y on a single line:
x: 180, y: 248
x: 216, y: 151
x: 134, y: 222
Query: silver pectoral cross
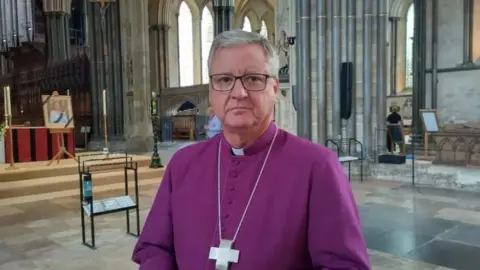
x: 224, y: 255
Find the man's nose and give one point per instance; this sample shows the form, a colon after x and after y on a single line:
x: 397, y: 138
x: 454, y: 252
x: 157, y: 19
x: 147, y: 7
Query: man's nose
x: 238, y: 91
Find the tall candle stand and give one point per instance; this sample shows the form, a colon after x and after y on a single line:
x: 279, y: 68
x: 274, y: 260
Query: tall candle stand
x: 105, y: 135
x: 105, y: 132
x: 8, y: 121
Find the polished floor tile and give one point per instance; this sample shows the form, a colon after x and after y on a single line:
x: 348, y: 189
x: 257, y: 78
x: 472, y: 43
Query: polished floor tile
x: 401, y: 225
x: 449, y: 254
x: 397, y: 242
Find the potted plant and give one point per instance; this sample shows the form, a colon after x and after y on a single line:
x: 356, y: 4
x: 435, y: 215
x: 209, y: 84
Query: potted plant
x: 3, y: 130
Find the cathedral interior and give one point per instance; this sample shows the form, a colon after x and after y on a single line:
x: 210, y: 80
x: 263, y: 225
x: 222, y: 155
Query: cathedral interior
x: 136, y: 72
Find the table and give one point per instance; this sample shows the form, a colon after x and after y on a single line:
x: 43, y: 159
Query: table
x: 35, y: 144
x: 349, y: 160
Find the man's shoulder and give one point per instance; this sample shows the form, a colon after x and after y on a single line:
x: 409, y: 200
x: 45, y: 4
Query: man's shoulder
x: 303, y: 149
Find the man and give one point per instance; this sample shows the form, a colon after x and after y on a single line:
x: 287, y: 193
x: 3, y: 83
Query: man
x: 393, y: 128
x: 214, y: 126
x: 255, y: 197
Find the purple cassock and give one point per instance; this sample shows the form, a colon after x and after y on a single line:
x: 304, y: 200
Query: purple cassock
x: 302, y: 216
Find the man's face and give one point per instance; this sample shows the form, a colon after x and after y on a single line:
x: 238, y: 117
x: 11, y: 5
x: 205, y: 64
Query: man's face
x: 55, y: 105
x: 240, y: 108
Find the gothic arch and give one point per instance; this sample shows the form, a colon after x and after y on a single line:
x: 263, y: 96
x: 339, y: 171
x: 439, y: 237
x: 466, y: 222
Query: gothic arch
x: 399, y: 8
x: 254, y: 20
x: 255, y: 10
x: 269, y: 18
x: 205, y: 3
x: 192, y: 5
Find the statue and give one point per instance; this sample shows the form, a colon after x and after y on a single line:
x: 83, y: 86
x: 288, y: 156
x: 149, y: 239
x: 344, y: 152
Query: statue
x: 282, y: 47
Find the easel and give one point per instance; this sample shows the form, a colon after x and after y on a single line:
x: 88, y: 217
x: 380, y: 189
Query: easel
x: 430, y: 125
x: 62, y: 150
x: 59, y: 132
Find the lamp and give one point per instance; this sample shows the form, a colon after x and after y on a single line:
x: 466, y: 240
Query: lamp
x: 156, y: 162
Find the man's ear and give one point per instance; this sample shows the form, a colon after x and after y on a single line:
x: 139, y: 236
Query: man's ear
x: 276, y: 86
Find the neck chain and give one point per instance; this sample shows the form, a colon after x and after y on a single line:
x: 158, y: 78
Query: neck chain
x: 251, y: 195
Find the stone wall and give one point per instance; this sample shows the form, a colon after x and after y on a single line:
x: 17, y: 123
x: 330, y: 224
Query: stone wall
x: 458, y: 91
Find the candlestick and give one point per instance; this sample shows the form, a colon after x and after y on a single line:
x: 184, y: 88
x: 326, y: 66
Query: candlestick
x: 5, y: 106
x: 104, y: 102
x: 8, y: 102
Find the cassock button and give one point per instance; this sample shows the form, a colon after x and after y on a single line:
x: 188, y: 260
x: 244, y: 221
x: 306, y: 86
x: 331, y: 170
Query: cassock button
x: 236, y: 162
x: 232, y: 188
x: 234, y: 174
x: 230, y: 202
x: 226, y: 216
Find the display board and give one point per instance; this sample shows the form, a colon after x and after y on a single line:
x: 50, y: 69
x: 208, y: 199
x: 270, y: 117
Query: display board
x: 430, y: 120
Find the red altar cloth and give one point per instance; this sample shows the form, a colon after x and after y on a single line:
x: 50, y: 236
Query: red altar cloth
x: 35, y: 144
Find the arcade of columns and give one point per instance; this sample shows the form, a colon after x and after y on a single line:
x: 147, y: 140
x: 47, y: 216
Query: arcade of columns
x: 140, y: 41
x: 371, y: 34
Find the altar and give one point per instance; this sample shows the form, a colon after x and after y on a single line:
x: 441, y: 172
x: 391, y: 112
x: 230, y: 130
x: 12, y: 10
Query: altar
x: 52, y: 141
x: 35, y: 144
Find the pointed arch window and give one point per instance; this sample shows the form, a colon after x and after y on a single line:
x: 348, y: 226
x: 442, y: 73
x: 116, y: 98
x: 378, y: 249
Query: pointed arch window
x: 409, y: 48
x: 264, y: 30
x: 207, y: 39
x: 247, y: 26
x: 185, y: 45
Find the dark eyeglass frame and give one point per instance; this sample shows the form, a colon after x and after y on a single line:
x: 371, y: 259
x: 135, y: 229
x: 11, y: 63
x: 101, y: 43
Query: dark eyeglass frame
x: 241, y: 80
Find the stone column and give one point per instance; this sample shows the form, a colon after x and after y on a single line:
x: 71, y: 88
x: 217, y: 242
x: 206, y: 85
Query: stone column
x: 321, y: 62
x: 197, y: 49
x: 335, y: 25
x: 304, y: 71
x: 467, y: 32
x: 223, y: 15
x: 351, y: 29
x: 160, y: 50
x: 57, y: 15
x: 136, y: 64
x: 367, y: 76
x: 419, y: 53
x: 434, y: 54
x: 381, y: 74
x: 103, y: 20
x: 393, y: 54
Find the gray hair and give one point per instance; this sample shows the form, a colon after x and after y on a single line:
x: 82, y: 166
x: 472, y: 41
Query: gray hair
x: 239, y: 37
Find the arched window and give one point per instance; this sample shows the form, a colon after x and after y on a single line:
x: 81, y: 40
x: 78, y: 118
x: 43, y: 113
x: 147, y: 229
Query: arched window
x: 207, y: 39
x: 185, y: 45
x: 264, y: 30
x: 409, y: 48
x: 247, y: 26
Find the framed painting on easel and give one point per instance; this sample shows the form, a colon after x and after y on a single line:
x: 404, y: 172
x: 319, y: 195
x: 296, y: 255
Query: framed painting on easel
x: 58, y: 117
x: 430, y: 125
x: 57, y: 111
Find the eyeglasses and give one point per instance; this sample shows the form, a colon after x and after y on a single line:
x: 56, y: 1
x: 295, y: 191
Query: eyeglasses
x: 251, y: 82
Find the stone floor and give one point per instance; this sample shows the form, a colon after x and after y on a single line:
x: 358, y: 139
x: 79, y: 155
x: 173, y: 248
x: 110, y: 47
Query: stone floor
x: 405, y: 228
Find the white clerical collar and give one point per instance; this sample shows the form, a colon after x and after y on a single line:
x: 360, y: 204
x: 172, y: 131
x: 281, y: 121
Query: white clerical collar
x: 238, y: 151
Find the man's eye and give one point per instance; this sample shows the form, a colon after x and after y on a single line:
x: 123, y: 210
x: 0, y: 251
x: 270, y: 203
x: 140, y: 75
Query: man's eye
x: 253, y: 78
x: 224, y: 79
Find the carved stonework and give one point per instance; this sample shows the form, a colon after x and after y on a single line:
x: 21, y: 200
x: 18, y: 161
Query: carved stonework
x: 458, y: 144
x: 281, y: 39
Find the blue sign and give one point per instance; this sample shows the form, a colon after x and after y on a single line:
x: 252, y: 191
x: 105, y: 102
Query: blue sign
x: 87, y: 187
